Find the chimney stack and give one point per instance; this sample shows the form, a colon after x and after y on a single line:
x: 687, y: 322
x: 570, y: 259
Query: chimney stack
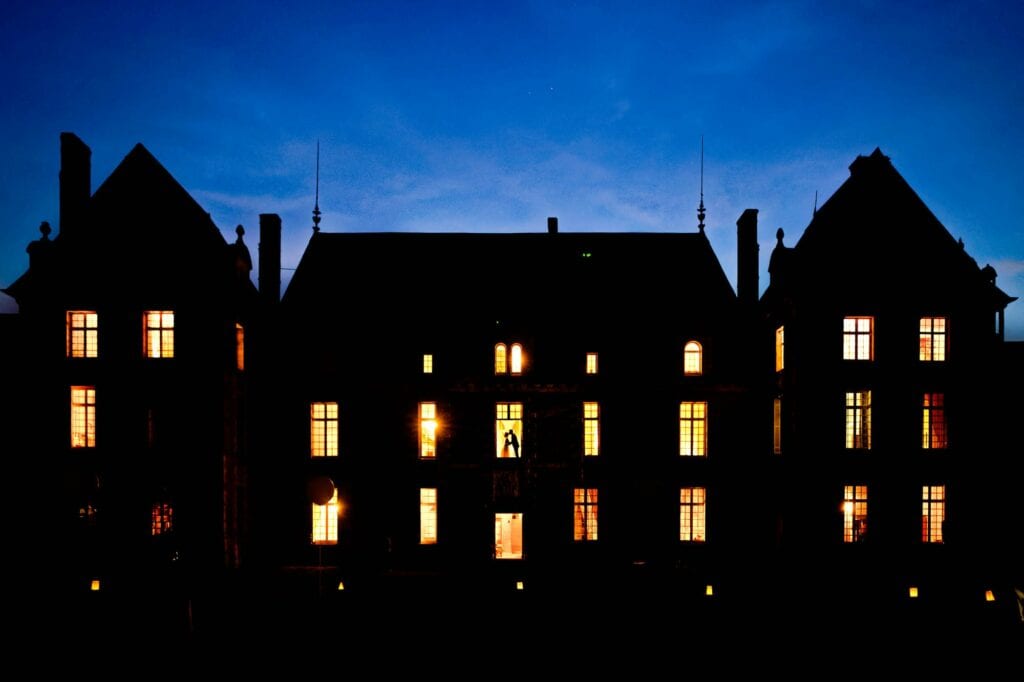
x: 746, y: 257
x: 75, y: 181
x: 270, y: 258
x: 552, y: 225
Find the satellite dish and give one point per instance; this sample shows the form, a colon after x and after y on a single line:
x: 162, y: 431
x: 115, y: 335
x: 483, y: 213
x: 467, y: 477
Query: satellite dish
x: 321, y: 489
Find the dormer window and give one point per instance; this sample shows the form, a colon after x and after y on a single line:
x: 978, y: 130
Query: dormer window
x: 693, y: 359
x: 508, y: 361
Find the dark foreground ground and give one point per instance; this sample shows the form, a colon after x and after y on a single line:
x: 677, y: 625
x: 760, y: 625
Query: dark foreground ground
x: 490, y: 627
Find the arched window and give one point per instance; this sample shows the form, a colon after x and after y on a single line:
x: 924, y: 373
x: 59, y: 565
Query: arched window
x: 517, y: 359
x: 693, y: 361
x: 500, y: 363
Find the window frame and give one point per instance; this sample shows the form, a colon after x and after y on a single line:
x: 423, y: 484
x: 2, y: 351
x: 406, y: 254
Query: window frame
x: 693, y: 358
x: 855, y: 508
x: 858, y: 342
x: 585, y: 514
x: 591, y: 429
x: 77, y: 323
x: 857, y: 420
x: 932, y: 342
x: 164, y: 330
x: 693, y: 429
x: 328, y: 440
x: 693, y: 515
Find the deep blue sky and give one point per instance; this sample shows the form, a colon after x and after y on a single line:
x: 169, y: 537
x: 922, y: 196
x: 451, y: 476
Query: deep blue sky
x: 492, y: 116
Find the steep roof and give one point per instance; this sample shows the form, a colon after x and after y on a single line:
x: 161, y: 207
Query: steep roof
x: 874, y: 237
x: 526, y: 277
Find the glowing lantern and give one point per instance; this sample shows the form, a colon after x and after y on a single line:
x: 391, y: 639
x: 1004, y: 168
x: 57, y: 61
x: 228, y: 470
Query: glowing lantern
x: 913, y: 593
x: 94, y: 586
x: 989, y: 596
x: 709, y: 591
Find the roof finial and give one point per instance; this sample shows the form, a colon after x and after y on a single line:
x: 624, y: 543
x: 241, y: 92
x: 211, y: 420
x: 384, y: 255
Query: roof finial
x: 815, y: 212
x: 316, y: 202
x: 700, y: 209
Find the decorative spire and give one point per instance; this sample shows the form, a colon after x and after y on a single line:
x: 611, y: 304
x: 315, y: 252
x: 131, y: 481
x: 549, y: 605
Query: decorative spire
x: 700, y: 209
x: 316, y: 202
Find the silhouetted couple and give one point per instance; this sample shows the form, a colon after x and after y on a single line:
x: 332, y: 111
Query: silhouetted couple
x: 510, y: 439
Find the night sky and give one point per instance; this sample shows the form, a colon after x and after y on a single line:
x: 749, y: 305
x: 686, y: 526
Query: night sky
x: 492, y: 116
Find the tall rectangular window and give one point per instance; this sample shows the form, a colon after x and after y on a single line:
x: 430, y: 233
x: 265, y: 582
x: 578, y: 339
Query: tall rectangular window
x: 777, y: 426
x: 591, y: 363
x: 83, y: 416
x: 858, y: 420
x: 691, y: 514
x: 428, y: 516
x: 428, y: 363
x: 591, y: 430
x: 933, y: 512
x: 584, y: 527
x: 239, y: 347
x: 508, y: 536
x: 428, y: 430
x: 933, y: 431
x: 933, y: 339
x: 325, y: 521
x: 323, y: 429
x: 508, y: 429
x: 693, y: 429
x: 858, y: 343
x: 162, y: 520
x: 158, y: 326
x: 855, y: 512
x: 82, y: 332
x: 780, y: 349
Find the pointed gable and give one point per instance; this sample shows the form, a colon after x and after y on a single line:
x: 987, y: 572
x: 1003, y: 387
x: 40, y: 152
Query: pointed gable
x: 875, y: 237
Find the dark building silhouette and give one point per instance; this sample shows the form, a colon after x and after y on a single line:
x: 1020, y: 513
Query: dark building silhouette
x: 132, y: 390
x: 886, y: 397
x: 571, y: 410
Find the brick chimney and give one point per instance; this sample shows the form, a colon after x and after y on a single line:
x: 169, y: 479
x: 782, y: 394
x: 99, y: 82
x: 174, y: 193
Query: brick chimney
x: 75, y: 181
x: 552, y: 225
x: 270, y: 258
x: 746, y: 257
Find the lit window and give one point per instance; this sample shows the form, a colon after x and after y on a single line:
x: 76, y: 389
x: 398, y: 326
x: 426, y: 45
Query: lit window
x: 81, y: 334
x: 87, y: 514
x: 584, y: 528
x: 508, y: 536
x: 500, y: 359
x: 517, y: 359
x: 591, y: 363
x: 163, y: 519
x: 933, y: 431
x: 691, y: 514
x: 508, y: 429
x: 83, y: 416
x: 777, y: 426
x: 933, y: 339
x: 855, y: 512
x: 858, y: 420
x: 591, y: 429
x: 428, y: 430
x: 857, y: 341
x: 159, y: 329
x: 780, y: 349
x: 428, y: 516
x: 325, y: 521
x: 323, y: 429
x: 239, y: 347
x: 693, y: 429
x: 428, y: 363
x: 933, y: 512
x: 692, y: 361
